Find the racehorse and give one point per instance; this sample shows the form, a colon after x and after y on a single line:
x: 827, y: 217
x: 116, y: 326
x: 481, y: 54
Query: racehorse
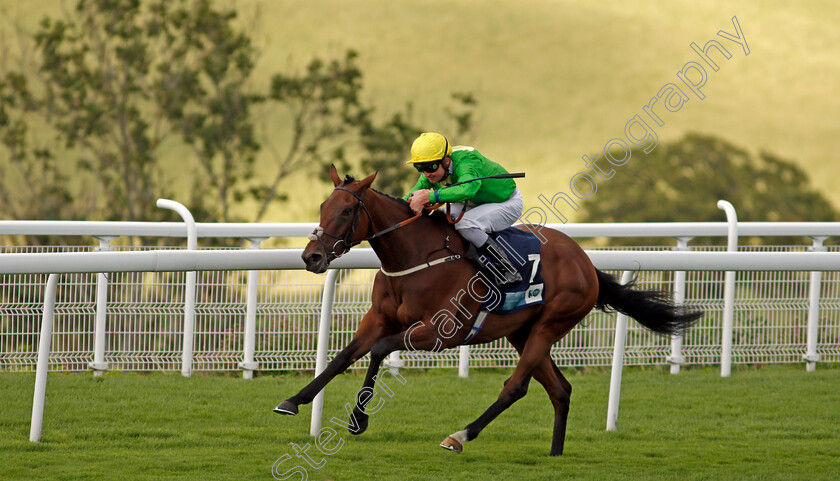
x: 423, y: 276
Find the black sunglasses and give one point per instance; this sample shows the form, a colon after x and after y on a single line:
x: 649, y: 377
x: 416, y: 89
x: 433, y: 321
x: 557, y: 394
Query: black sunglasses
x: 427, y: 166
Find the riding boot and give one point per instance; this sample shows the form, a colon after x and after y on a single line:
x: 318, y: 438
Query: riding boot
x: 498, y: 265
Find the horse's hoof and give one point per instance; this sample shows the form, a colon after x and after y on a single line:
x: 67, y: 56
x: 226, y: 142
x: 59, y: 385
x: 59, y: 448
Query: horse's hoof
x: 452, y: 444
x: 361, y: 425
x: 286, y: 407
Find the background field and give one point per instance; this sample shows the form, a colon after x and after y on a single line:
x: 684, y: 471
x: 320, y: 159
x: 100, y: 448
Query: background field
x: 770, y: 423
x: 557, y: 79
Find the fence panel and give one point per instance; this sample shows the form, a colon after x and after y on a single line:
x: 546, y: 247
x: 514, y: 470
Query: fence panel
x: 145, y: 321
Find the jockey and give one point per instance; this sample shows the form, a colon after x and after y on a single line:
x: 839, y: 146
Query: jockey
x: 490, y: 205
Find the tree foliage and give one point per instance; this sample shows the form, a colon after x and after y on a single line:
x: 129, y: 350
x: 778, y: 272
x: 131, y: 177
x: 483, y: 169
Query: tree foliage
x: 32, y: 186
x: 203, y: 91
x: 682, y: 181
x: 96, y: 74
x: 325, y: 107
x: 103, y: 103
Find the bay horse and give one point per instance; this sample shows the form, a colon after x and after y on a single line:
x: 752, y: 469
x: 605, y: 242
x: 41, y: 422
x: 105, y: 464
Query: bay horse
x: 423, y: 275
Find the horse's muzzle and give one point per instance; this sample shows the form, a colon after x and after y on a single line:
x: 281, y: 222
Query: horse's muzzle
x: 315, y: 262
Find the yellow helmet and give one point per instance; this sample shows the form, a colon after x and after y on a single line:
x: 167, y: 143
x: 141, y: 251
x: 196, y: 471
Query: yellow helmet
x: 429, y: 147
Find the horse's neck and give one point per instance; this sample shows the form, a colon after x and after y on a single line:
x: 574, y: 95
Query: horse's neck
x: 410, y: 245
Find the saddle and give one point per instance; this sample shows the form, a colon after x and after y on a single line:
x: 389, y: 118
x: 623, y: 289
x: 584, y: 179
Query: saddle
x: 523, y: 249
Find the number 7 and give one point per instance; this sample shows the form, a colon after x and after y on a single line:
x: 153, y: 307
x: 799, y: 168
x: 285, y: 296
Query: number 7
x: 536, y: 259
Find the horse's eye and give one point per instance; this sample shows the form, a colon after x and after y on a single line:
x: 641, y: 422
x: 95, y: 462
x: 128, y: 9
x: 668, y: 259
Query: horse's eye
x: 347, y: 212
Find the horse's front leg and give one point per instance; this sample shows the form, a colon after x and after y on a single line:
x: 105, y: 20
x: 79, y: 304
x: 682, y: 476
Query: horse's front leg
x: 370, y: 330
x: 420, y: 337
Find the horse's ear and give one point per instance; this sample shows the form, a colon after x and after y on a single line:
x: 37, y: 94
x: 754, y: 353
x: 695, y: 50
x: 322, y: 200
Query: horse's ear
x: 334, y: 175
x: 368, y: 180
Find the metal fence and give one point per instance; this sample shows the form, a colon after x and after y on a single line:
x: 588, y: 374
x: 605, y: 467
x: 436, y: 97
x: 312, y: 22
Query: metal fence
x: 145, y: 321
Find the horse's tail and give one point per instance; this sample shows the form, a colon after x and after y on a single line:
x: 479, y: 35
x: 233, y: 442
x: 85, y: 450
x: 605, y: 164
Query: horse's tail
x: 652, y: 309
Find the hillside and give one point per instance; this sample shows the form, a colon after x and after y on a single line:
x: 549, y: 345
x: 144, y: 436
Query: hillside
x: 558, y: 79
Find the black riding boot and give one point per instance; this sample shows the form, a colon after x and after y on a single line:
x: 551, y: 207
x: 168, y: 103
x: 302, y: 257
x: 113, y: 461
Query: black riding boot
x: 497, y: 264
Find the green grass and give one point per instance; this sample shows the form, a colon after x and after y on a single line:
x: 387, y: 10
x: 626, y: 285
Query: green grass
x: 768, y: 423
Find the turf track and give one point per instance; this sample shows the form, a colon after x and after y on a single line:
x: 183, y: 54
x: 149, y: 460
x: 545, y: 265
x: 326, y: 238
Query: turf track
x: 767, y: 423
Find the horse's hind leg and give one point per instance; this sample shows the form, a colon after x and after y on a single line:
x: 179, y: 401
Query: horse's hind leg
x: 535, y: 349
x: 559, y: 393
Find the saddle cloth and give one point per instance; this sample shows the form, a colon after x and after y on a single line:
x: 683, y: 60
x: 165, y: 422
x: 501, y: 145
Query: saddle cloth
x: 523, y: 250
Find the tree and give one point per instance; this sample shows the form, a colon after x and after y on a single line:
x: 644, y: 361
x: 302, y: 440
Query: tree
x: 682, y: 181
x: 325, y: 110
x: 202, y: 89
x: 96, y: 73
x: 33, y: 185
x: 124, y: 87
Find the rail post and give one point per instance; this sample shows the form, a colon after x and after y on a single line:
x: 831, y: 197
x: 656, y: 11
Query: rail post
x: 464, y: 361
x: 618, y: 362
x: 189, y: 292
x: 40, y: 394
x: 728, y: 291
x: 676, y: 358
x: 99, y: 365
x: 394, y: 362
x: 811, y: 357
x: 248, y: 365
x: 323, y: 347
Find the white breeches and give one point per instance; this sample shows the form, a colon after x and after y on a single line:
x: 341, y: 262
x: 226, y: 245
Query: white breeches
x: 484, y: 218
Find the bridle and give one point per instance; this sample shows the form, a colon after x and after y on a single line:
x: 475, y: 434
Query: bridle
x: 319, y: 232
x: 346, y: 244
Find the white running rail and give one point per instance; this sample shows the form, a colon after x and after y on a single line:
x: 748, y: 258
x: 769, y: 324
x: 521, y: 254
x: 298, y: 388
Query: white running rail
x: 255, y: 259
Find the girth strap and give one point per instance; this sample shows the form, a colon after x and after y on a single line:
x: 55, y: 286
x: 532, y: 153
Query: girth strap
x: 476, y: 328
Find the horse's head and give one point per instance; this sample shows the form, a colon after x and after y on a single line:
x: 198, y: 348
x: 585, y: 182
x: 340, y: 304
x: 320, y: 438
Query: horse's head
x: 344, y: 222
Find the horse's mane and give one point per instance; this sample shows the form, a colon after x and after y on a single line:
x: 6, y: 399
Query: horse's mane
x: 398, y: 200
x: 437, y: 216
